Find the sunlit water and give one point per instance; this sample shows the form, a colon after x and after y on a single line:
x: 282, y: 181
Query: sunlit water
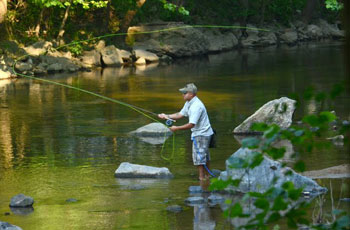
x: 57, y: 143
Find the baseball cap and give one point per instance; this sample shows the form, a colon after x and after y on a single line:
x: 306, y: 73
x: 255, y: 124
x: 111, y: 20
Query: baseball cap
x: 190, y: 87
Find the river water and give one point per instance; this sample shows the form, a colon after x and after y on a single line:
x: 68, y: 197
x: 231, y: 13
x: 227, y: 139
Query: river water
x: 57, y: 143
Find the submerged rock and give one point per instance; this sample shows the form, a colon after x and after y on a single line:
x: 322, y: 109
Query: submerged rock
x: 21, y: 201
x: 8, y: 226
x: 71, y: 200
x: 174, y: 208
x: 216, y: 199
x: 278, y: 111
x: 195, y: 200
x: 136, y: 187
x: 268, y: 174
x: 195, y: 189
x: 127, y: 170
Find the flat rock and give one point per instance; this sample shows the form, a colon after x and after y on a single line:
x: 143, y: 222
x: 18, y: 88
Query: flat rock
x: 340, y: 171
x: 71, y: 200
x: 195, y: 189
x: 148, y: 56
x: 216, y: 199
x: 128, y: 170
x: 8, y: 226
x: 174, y: 208
x: 21, y: 201
x: 195, y: 200
x: 155, y: 129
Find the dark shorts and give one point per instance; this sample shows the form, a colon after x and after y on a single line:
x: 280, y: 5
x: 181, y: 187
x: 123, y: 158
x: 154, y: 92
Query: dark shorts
x: 200, y: 150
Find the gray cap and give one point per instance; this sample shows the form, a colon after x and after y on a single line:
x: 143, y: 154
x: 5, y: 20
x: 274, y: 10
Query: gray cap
x: 190, y: 87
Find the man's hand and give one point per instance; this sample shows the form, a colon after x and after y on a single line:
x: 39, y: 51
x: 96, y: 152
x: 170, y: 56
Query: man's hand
x: 163, y: 116
x: 174, y: 128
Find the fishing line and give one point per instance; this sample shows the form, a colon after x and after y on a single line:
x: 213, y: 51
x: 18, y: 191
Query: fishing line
x: 135, y: 108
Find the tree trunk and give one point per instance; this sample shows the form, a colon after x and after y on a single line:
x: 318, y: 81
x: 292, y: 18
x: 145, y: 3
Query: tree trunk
x: 243, y: 19
x: 130, y: 15
x: 310, y: 10
x: 37, y: 28
x: 63, y: 23
x: 3, y: 10
x: 263, y: 7
x: 346, y: 21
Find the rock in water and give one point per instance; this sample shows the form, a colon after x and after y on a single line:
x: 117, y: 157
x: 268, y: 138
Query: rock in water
x: 127, y: 170
x: 21, y: 201
x: 269, y: 173
x: 174, y: 208
x: 278, y: 111
x: 154, y: 129
x: 7, y: 226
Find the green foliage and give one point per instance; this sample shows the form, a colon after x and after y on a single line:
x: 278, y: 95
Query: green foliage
x: 76, y: 49
x: 334, y: 5
x: 283, y: 202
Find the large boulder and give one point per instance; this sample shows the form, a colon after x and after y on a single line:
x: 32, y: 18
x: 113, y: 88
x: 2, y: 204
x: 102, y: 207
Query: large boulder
x: 23, y: 66
x: 128, y: 170
x: 148, y: 56
x: 330, y: 30
x: 268, y: 174
x: 251, y: 41
x: 289, y: 37
x: 57, y: 64
x: 268, y: 38
x: 174, y: 39
x: 8, y: 226
x: 220, y: 41
x: 314, y: 32
x: 111, y: 56
x: 278, y: 111
x: 21, y: 201
x: 38, y: 48
x: 91, y: 58
x: 4, y: 74
x: 154, y: 129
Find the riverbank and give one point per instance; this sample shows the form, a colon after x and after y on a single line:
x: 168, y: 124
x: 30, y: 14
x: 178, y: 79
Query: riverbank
x: 158, y: 43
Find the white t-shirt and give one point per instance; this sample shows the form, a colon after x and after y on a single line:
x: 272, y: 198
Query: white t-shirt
x: 197, y: 115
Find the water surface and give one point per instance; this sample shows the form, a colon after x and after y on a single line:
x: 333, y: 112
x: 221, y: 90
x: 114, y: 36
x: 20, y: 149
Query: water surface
x: 57, y: 143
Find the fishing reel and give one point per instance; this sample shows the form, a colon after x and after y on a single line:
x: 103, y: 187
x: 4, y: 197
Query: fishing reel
x: 169, y: 122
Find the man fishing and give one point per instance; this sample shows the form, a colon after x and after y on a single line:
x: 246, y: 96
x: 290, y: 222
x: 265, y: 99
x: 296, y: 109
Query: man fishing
x: 200, y: 126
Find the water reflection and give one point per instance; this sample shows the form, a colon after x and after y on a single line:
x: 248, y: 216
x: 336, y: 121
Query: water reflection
x: 22, y: 211
x: 202, y: 218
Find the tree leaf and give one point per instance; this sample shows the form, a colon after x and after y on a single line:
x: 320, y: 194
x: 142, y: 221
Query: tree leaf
x: 279, y: 204
x: 262, y: 203
x: 236, y: 210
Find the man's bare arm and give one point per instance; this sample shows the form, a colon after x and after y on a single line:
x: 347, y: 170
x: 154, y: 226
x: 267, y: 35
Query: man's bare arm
x: 174, y: 116
x: 182, y: 127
